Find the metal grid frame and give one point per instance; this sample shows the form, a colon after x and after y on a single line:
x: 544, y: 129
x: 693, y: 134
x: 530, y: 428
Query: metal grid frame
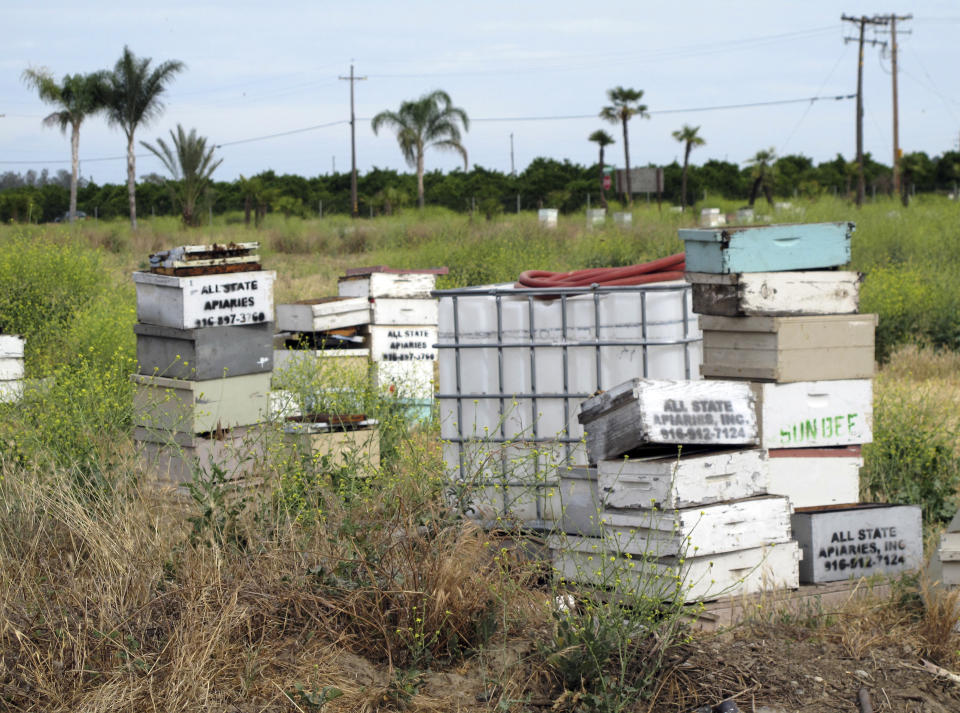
x: 532, y: 344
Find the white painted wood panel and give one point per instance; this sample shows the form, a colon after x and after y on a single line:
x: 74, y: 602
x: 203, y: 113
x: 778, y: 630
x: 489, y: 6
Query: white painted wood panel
x: 323, y: 315
x: 815, y: 414
x: 699, y: 531
x: 404, y: 311
x: 815, y: 481
x: 691, y: 479
x: 406, y: 379
x: 403, y: 343
x: 588, y: 560
x: 645, y: 413
x: 385, y: 284
x: 11, y: 345
x: 776, y: 293
x: 11, y: 368
x: 11, y: 391
x: 574, y: 505
x: 231, y: 299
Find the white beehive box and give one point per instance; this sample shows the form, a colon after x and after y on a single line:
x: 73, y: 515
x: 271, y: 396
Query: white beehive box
x: 691, y: 479
x: 406, y: 379
x: 323, y: 315
x: 858, y: 541
x: 815, y: 414
x: 403, y: 311
x: 700, y: 530
x: 590, y: 561
x: 645, y: 414
x: 388, y: 284
x: 574, y: 504
x: 231, y: 299
x: 161, y: 403
x: 775, y: 293
x: 813, y: 477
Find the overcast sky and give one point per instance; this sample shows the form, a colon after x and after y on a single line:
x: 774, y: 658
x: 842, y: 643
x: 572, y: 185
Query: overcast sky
x: 260, y: 68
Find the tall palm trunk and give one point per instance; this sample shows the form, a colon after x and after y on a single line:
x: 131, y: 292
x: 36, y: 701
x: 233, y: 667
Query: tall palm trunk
x: 74, y: 169
x: 626, y: 161
x: 131, y: 181
x: 420, y: 177
x: 603, y: 191
x: 683, y: 182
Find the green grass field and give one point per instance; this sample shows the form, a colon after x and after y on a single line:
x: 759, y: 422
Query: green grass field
x: 336, y: 592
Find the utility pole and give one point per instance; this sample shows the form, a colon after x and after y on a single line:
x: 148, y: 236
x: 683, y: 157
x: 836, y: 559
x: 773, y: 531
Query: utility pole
x: 896, y: 106
x: 862, y: 21
x: 513, y: 171
x: 354, y: 207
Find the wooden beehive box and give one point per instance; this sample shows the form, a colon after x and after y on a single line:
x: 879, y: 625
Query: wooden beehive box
x: 785, y: 349
x: 398, y: 284
x: 591, y: 561
x: 337, y: 444
x: 347, y: 365
x: 323, y: 314
x: 574, y: 505
x: 775, y: 293
x: 177, y: 457
x: 391, y: 311
x: 767, y: 248
x: 858, y: 541
x: 205, y: 353
x: 644, y: 414
x: 227, y: 300
x: 200, y: 406
x: 692, y: 479
x: 816, y: 477
x: 815, y: 414
x: 700, y: 530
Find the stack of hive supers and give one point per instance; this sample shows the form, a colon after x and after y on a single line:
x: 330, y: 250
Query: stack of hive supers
x: 11, y: 367
x: 683, y: 509
x: 944, y: 566
x: 775, y: 313
x: 326, y: 341
x: 205, y: 353
x: 403, y: 330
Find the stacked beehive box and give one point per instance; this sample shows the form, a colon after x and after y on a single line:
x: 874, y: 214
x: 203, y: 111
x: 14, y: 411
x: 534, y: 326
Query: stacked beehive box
x: 11, y: 367
x: 205, y: 354
x: 776, y: 313
x: 403, y: 330
x: 681, y: 504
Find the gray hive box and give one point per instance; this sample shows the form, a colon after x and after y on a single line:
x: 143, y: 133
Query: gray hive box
x: 645, y: 414
x: 573, y: 505
x: 785, y: 349
x: 205, y: 353
x: 858, y: 541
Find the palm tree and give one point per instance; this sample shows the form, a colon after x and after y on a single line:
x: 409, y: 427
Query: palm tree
x: 689, y: 137
x: 763, y: 171
x: 132, y: 97
x: 431, y: 120
x: 602, y: 139
x: 77, y: 97
x: 625, y: 104
x: 190, y: 163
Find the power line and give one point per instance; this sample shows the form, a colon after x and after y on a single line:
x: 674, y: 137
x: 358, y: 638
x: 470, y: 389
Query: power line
x: 264, y: 137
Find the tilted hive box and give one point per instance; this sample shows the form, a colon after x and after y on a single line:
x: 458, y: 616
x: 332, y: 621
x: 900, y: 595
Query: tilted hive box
x: 645, y: 414
x: 767, y: 248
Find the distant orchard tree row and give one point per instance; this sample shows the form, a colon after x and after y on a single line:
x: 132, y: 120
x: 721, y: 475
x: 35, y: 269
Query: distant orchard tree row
x: 544, y: 183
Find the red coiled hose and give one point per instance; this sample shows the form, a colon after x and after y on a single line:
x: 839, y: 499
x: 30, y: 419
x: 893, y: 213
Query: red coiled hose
x: 666, y: 268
